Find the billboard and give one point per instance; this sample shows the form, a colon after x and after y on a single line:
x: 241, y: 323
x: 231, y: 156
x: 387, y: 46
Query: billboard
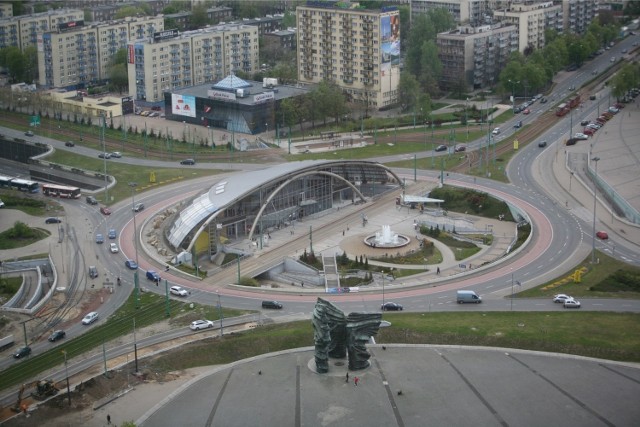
x: 221, y: 94
x: 183, y: 105
x: 131, y: 54
x: 390, y: 39
x: 167, y: 34
x: 70, y: 25
x: 262, y: 97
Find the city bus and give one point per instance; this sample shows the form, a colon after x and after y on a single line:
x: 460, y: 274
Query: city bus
x: 5, y: 181
x: 63, y: 191
x: 25, y: 185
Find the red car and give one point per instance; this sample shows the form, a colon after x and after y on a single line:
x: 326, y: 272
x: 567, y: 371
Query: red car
x: 602, y: 235
x: 105, y: 210
x: 588, y: 131
x: 526, y: 111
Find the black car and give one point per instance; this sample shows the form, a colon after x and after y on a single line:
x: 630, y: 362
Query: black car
x: 572, y: 141
x: 518, y: 124
x: 69, y: 144
x: 542, y: 144
x: 91, y: 200
x: 57, y: 335
x: 52, y: 220
x: 271, y: 304
x: 460, y: 148
x: 188, y: 162
x: 28, y: 133
x: 22, y: 352
x: 391, y: 306
x: 441, y: 148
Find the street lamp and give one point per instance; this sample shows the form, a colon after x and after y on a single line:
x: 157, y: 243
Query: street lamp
x: 513, y: 98
x: 220, y: 314
x: 383, y: 289
x: 133, y: 185
x: 466, y: 116
x: 595, y: 189
x: 512, y: 283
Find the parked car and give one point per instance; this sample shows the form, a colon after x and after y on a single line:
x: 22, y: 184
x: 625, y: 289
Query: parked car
x: 116, y: 154
x: 57, y: 335
x: 584, y: 122
x: 580, y: 135
x: 188, y: 162
x: 22, y: 352
x: 131, y: 264
x: 602, y: 235
x: 614, y: 110
x: 114, y: 248
x: 52, y: 220
x: 90, y: 318
x: 542, y: 144
x: 153, y: 275
x: 104, y: 155
x: 543, y: 101
x: 69, y: 144
x: 460, y: 148
x: 526, y: 111
x: 271, y: 304
x: 91, y: 200
x: 571, y: 303
x: 391, y: 306
x: 29, y: 133
x: 572, y: 141
x: 594, y: 126
x: 561, y: 298
x: 177, y: 290
x: 99, y: 238
x: 112, y: 233
x: 105, y: 210
x: 588, y: 131
x: 441, y: 148
x: 518, y: 124
x: 138, y: 207
x: 200, y: 324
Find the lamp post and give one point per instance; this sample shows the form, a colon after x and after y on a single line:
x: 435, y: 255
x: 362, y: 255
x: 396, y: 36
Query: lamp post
x: 570, y: 178
x: 220, y: 314
x: 512, y: 282
x: 513, y: 98
x: 382, y: 289
x: 595, y: 189
x: 466, y: 116
x: 66, y: 373
x: 133, y: 185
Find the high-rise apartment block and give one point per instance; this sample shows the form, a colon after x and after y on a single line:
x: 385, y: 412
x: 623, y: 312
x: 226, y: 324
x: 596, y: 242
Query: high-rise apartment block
x: 474, y: 56
x: 578, y: 14
x: 76, y: 55
x: 532, y: 19
x: 172, y: 61
x: 357, y: 49
x: 22, y: 31
x: 6, y: 10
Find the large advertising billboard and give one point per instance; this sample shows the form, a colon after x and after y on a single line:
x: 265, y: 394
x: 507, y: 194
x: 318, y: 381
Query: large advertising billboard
x: 390, y: 41
x: 183, y: 105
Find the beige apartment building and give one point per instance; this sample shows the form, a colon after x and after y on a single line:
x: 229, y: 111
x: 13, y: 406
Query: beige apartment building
x: 532, y: 19
x: 357, y: 49
x: 6, y: 10
x: 76, y: 55
x: 22, y: 31
x: 173, y: 60
x: 466, y: 12
x: 578, y: 14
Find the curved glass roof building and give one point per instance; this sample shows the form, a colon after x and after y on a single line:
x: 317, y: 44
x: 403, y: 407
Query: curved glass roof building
x: 241, y: 205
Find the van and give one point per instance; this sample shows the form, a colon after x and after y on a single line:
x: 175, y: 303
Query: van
x: 93, y: 272
x: 468, y: 296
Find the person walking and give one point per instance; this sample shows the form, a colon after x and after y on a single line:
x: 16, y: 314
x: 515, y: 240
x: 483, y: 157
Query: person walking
x: 438, y: 270
x: 347, y: 378
x: 356, y: 380
x: 108, y: 419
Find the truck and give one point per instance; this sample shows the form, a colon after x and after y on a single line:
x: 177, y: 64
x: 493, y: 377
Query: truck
x: 468, y: 296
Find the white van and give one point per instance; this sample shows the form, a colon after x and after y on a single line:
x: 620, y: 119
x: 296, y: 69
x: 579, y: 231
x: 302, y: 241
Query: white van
x: 468, y: 296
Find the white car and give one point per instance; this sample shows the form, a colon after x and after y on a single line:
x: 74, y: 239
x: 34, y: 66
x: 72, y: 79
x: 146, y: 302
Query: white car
x: 113, y: 248
x: 580, y: 135
x: 116, y: 154
x: 177, y: 290
x: 496, y: 131
x: 90, y: 318
x: 561, y: 298
x: 201, y: 324
x: 571, y: 303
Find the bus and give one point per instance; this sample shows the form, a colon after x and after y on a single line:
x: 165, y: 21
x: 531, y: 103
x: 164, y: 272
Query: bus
x: 25, y: 185
x: 62, y: 191
x: 562, y: 110
x: 5, y: 181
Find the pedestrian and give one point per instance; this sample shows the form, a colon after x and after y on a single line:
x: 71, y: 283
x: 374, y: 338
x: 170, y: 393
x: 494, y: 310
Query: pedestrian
x: 347, y: 378
x: 343, y: 232
x: 108, y: 419
x: 356, y: 380
x: 438, y: 270
x: 302, y: 283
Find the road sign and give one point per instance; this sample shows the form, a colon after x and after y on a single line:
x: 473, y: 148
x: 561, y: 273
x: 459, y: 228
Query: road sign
x: 35, y: 121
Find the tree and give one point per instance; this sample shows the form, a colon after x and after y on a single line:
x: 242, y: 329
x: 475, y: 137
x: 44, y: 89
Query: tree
x: 408, y: 91
x: 118, y: 78
x: 431, y: 67
x: 31, y: 64
x: 199, y: 17
x: 120, y: 57
x: 289, y: 20
x: 14, y: 61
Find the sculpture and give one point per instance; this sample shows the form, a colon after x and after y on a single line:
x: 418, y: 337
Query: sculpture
x: 337, y: 336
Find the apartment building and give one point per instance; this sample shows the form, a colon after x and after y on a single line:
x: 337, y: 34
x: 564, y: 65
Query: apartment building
x: 215, y: 15
x: 357, y: 49
x: 532, y: 19
x: 76, y: 55
x: 578, y: 14
x: 285, y: 39
x: 171, y: 61
x: 22, y: 31
x: 474, y: 56
x: 6, y: 10
x: 464, y: 12
x: 102, y: 10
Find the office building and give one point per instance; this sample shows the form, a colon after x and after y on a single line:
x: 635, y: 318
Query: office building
x: 474, y: 56
x: 77, y: 55
x: 357, y: 49
x: 22, y: 31
x: 171, y: 61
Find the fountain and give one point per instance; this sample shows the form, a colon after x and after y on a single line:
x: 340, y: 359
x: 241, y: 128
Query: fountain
x: 386, y: 239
